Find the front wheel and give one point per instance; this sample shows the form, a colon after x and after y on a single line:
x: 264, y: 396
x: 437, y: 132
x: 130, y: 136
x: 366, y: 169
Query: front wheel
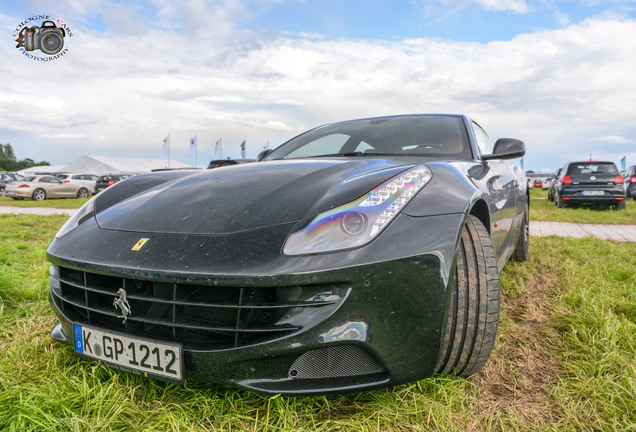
x: 39, y: 195
x: 473, y: 315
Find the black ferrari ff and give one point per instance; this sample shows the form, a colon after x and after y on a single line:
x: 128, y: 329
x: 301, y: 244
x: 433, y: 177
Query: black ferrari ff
x: 358, y: 255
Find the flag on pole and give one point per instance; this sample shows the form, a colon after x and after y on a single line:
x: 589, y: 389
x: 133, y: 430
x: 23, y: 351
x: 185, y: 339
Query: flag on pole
x: 166, y: 147
x: 521, y: 163
x: 243, y: 149
x: 266, y: 146
x: 193, y: 145
x: 218, y: 154
x: 623, y: 163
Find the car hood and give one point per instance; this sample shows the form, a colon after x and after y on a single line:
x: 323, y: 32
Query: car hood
x: 239, y: 197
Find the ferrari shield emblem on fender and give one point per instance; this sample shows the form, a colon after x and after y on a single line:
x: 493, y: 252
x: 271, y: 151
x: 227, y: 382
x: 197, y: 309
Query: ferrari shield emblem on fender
x: 139, y: 244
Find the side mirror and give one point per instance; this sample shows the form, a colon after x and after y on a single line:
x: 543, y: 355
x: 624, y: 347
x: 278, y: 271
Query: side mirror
x: 506, y: 148
x: 262, y: 154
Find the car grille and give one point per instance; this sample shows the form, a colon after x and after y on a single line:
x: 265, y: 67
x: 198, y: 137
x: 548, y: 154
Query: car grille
x: 197, y: 316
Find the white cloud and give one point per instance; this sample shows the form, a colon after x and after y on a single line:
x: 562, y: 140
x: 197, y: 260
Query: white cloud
x: 442, y: 7
x: 119, y: 93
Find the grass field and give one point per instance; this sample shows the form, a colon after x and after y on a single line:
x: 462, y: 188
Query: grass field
x: 63, y: 203
x: 564, y: 360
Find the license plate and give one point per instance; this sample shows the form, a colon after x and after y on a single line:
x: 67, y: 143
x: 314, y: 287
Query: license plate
x: 132, y: 354
x: 593, y: 193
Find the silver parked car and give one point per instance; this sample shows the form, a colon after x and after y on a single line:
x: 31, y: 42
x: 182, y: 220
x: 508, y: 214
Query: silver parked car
x: 45, y: 186
x: 87, y: 180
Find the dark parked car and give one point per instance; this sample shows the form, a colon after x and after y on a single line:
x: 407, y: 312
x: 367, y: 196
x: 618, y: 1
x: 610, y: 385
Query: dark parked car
x: 358, y: 255
x: 108, y: 180
x: 8, y: 177
x: 217, y: 163
x: 590, y: 182
x: 553, y: 185
x: 630, y: 182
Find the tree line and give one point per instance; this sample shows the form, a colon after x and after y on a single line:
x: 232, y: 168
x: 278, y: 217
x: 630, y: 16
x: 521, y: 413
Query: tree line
x: 8, y: 161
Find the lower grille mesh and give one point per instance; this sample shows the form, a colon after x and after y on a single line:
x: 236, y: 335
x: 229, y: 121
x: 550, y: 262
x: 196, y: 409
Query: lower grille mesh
x: 198, y: 316
x: 334, y: 362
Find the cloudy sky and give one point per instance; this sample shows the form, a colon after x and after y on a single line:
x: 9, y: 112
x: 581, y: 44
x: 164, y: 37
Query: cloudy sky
x: 559, y: 75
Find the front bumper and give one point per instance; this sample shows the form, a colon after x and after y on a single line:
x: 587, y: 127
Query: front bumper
x: 379, y: 325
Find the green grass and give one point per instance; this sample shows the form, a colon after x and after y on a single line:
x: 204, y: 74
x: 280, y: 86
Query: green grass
x: 63, y: 203
x: 563, y: 361
x: 541, y: 209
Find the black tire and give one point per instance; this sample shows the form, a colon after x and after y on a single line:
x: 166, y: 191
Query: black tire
x: 521, y: 250
x: 82, y: 193
x: 473, y: 316
x: 621, y: 205
x: 39, y: 195
x: 559, y: 202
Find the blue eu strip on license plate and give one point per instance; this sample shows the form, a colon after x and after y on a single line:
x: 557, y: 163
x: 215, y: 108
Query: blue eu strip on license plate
x: 159, y: 359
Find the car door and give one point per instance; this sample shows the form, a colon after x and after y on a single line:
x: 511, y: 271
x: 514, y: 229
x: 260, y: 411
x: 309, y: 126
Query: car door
x: 57, y: 188
x: 505, y: 183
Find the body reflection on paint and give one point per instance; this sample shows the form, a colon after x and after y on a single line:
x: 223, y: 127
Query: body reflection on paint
x: 352, y: 330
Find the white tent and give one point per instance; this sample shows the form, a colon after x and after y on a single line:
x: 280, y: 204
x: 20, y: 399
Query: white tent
x: 118, y: 165
x: 44, y: 168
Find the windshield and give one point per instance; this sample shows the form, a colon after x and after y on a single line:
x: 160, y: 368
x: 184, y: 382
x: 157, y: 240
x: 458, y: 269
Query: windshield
x: 424, y: 135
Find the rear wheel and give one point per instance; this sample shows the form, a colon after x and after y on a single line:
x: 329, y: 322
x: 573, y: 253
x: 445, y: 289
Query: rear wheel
x: 473, y: 315
x: 39, y: 195
x: 559, y: 202
x: 82, y: 193
x: 621, y: 205
x: 521, y: 250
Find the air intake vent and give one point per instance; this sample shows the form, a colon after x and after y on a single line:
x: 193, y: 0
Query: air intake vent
x: 334, y: 362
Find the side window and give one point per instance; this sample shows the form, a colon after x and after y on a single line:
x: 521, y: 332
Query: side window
x: 483, y: 141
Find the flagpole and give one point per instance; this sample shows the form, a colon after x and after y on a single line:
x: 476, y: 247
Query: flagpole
x: 168, y: 150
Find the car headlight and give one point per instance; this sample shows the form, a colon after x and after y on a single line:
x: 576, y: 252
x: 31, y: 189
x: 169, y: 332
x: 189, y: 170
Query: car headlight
x: 358, y: 222
x: 85, y: 212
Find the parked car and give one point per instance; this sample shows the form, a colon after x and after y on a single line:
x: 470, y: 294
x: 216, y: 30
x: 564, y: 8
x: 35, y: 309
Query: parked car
x: 108, y: 180
x: 553, y: 184
x: 590, y: 182
x: 217, y: 163
x: 358, y: 255
x: 88, y: 180
x: 8, y: 177
x: 537, y: 183
x: 546, y: 183
x: 42, y: 187
x: 630, y: 182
